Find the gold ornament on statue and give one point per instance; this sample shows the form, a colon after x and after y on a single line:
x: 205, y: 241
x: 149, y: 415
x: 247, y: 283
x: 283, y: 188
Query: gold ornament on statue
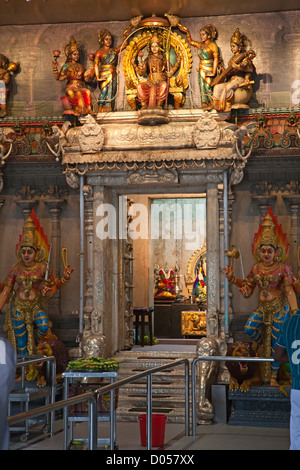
x: 233, y: 254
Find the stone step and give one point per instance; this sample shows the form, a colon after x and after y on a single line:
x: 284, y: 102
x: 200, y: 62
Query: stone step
x: 132, y: 414
x: 173, y: 389
x: 168, y: 387
x: 164, y: 401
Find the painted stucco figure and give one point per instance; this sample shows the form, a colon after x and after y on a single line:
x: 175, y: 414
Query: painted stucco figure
x: 275, y: 281
x: 7, y: 68
x: 78, y: 99
x: 152, y: 93
x: 233, y: 84
x: 28, y: 286
x: 209, y: 56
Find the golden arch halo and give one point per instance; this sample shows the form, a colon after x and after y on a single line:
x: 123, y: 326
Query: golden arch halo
x: 178, y: 46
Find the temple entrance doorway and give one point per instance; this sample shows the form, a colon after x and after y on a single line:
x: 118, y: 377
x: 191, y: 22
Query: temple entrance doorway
x: 167, y: 239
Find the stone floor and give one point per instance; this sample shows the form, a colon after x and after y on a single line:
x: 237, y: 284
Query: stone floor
x: 209, y: 437
x: 128, y: 436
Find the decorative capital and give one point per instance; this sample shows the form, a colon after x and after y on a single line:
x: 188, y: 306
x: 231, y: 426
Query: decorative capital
x: 91, y: 137
x: 207, y: 132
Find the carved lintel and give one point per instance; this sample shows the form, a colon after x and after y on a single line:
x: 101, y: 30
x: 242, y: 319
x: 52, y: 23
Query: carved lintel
x: 153, y: 176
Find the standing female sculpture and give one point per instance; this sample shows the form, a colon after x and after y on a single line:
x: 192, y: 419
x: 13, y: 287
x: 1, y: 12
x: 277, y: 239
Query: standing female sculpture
x: 78, y: 98
x: 236, y: 76
x: 105, y: 63
x: 28, y: 286
x: 105, y: 66
x: 208, y: 52
x: 275, y: 281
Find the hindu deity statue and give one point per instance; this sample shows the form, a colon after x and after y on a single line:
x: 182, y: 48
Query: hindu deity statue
x: 6, y: 70
x: 27, y: 288
x: 164, y: 283
x: 105, y: 65
x: 78, y: 100
x: 233, y: 84
x: 209, y: 56
x: 275, y: 281
x: 199, y: 292
x: 153, y: 92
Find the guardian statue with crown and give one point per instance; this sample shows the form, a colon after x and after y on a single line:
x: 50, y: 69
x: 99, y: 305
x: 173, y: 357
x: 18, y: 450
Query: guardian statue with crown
x: 276, y: 283
x: 28, y: 286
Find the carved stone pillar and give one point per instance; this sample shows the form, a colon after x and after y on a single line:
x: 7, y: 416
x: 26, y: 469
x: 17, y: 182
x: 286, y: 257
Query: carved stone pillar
x: 230, y: 202
x: 293, y: 42
x: 100, y: 269
x: 293, y: 201
x: 31, y: 52
x: 266, y: 54
x: 88, y: 218
x: 213, y: 261
x: 54, y: 207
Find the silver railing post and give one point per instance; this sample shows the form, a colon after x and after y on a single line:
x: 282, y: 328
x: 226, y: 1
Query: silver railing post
x: 149, y: 411
x: 93, y: 421
x: 187, y: 398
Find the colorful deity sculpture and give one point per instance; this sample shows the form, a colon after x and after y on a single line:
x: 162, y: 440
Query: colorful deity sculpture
x: 164, y: 283
x: 232, y: 87
x: 27, y: 288
x: 152, y: 93
x: 209, y: 56
x: 78, y: 100
x: 276, y: 284
x: 7, y: 69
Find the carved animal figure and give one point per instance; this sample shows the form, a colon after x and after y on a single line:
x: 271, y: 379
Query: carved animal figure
x: 242, y: 374
x: 50, y: 345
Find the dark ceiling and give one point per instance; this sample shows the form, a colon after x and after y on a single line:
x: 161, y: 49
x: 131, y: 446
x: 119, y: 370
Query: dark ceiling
x: 74, y: 11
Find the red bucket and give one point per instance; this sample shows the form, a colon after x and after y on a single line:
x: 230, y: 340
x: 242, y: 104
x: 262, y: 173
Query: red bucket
x: 158, y: 429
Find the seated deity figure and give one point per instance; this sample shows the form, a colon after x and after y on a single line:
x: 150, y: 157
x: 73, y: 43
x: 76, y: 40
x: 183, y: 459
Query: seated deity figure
x: 78, y: 99
x: 28, y: 286
x: 233, y: 84
x: 276, y: 284
x: 153, y: 92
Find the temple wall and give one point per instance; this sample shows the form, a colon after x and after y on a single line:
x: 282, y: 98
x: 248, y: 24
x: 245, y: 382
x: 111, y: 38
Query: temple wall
x: 274, y: 37
x: 35, y: 93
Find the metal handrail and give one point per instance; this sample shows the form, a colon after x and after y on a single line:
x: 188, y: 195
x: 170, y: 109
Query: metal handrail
x: 92, y: 397
x: 215, y: 358
x: 51, y: 360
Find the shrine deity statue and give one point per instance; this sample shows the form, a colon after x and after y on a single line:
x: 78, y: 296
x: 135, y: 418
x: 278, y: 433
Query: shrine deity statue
x: 6, y: 69
x: 164, y: 283
x: 28, y: 286
x: 209, y: 56
x: 105, y: 63
x: 199, y: 292
x: 78, y: 100
x: 233, y: 83
x: 153, y: 92
x: 105, y: 66
x: 276, y: 284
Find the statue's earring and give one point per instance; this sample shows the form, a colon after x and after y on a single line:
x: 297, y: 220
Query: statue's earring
x: 257, y: 254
